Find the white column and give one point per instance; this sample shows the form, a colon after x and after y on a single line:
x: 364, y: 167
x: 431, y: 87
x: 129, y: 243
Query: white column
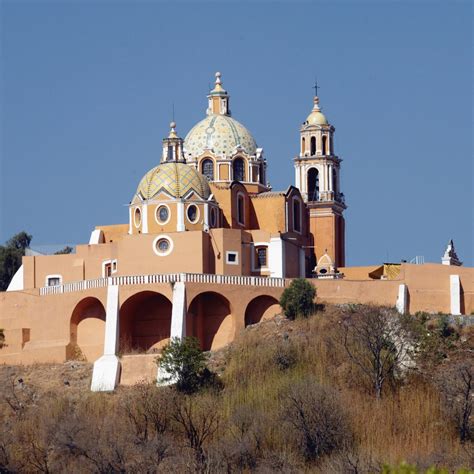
x: 276, y: 259
x: 206, y: 217
x: 330, y: 178
x: 178, y: 313
x: 105, y: 375
x: 402, y: 299
x: 302, y: 260
x: 180, y: 217
x: 145, y: 219
x: 455, y: 294
x: 178, y: 327
x: 297, y: 177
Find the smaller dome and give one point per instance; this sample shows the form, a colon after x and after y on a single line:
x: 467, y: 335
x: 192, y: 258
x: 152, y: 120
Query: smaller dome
x: 177, y: 179
x: 316, y: 117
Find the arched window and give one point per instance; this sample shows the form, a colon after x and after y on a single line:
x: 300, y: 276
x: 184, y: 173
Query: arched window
x: 334, y: 180
x: 313, y: 184
x: 170, y: 153
x: 207, y: 169
x: 303, y: 145
x: 238, y: 167
x: 313, y: 146
x: 261, y: 174
x: 240, y: 210
x: 325, y: 145
x: 296, y: 215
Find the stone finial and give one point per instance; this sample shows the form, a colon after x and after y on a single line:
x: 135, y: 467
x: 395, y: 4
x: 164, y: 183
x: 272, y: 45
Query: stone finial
x: 450, y: 256
x: 173, y: 130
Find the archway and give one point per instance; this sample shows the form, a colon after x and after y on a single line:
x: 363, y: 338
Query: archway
x: 313, y: 184
x: 261, y: 308
x: 145, y: 322
x: 87, y: 330
x: 210, y: 320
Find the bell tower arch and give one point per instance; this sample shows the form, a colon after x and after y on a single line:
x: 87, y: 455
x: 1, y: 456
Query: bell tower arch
x: 317, y: 176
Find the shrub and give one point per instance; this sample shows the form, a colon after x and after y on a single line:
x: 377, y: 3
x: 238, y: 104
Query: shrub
x: 298, y: 299
x: 184, y: 363
x: 317, y: 419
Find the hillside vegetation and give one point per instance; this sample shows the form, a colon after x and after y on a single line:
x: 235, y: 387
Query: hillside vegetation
x: 290, y: 396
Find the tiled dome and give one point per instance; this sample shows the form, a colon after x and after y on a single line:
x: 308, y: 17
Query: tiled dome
x: 177, y: 179
x: 220, y: 134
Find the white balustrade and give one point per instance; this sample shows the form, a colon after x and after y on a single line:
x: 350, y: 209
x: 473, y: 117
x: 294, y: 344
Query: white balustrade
x: 125, y: 280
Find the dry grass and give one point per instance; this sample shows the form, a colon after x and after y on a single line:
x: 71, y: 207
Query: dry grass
x: 110, y: 432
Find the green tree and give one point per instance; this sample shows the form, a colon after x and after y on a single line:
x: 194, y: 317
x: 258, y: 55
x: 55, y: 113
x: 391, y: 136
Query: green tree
x: 66, y: 250
x: 10, y: 257
x: 298, y: 299
x: 184, y: 363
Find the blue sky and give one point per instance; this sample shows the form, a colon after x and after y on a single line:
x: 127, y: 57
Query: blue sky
x: 88, y: 87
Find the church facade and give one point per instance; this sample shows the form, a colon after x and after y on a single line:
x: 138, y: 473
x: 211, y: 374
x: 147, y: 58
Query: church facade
x: 207, y: 249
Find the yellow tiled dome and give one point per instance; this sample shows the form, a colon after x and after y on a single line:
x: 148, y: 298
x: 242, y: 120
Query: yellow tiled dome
x: 316, y: 117
x: 177, y: 179
x: 220, y: 134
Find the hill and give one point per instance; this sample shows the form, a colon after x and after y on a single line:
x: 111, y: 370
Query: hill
x: 293, y: 396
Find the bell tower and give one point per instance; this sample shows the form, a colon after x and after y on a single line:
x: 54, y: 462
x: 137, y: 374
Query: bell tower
x: 317, y: 175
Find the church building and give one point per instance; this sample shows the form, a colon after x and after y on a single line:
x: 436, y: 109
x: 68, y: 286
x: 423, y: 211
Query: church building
x: 208, y: 248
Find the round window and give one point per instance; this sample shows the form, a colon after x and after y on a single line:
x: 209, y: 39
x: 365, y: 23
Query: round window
x: 213, y: 217
x: 137, y: 217
x: 162, y: 245
x: 192, y: 213
x: 163, y: 214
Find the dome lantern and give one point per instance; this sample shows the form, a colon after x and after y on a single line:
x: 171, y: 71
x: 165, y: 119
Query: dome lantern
x: 173, y: 147
x: 218, y: 99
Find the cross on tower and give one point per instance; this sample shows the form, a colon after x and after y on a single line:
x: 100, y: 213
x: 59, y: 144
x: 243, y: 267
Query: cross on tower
x: 316, y: 87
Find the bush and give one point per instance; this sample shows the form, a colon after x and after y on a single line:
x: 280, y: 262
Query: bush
x: 317, y: 418
x: 298, y: 299
x: 184, y: 363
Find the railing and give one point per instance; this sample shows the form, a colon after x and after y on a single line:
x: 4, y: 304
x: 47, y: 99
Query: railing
x: 163, y: 278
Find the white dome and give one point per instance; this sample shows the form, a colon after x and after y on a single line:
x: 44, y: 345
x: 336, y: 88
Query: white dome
x: 220, y: 134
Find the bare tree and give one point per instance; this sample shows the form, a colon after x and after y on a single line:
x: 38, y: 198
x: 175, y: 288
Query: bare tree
x: 197, y: 418
x: 457, y: 386
x: 376, y: 342
x: 317, y: 419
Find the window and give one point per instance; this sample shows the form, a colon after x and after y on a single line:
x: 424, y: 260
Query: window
x: 296, y: 215
x: 192, y: 213
x: 137, y: 217
x: 232, y: 258
x: 54, y: 281
x: 261, y: 257
x: 313, y: 184
x: 239, y: 169
x: 213, y: 217
x: 170, y: 153
x: 334, y: 180
x: 207, y: 168
x: 108, y: 269
x: 261, y: 174
x: 240, y: 210
x: 313, y: 146
x: 325, y: 138
x: 162, y: 245
x: 162, y: 214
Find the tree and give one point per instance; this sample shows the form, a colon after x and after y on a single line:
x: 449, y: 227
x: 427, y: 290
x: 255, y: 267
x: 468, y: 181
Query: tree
x: 317, y: 419
x: 10, y: 257
x: 184, y: 363
x: 298, y: 299
x: 66, y: 250
x: 376, y: 342
x: 457, y: 386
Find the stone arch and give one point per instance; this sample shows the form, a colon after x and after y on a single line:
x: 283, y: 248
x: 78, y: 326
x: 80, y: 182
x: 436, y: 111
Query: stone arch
x: 145, y: 322
x: 210, y: 320
x: 261, y: 308
x: 87, y: 330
